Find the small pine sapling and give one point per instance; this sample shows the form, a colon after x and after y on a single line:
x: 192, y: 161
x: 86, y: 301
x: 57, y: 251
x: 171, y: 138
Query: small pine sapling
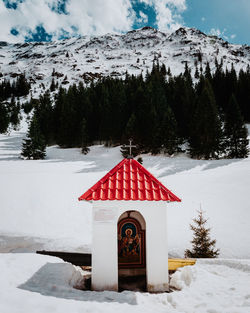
x: 134, y: 152
x: 203, y: 246
x: 140, y: 160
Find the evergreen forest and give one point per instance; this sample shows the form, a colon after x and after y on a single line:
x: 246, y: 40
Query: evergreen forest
x: 162, y: 113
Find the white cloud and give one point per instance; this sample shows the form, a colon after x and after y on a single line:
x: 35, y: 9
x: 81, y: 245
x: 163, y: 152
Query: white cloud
x: 168, y: 13
x: 203, y: 19
x: 86, y: 16
x: 143, y: 18
x: 221, y: 33
x: 215, y: 32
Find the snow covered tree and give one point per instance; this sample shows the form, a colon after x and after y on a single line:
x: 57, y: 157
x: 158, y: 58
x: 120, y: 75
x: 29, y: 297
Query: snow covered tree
x: 203, y: 246
x: 34, y: 145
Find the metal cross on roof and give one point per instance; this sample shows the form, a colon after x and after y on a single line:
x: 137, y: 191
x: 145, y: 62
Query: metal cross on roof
x: 130, y: 146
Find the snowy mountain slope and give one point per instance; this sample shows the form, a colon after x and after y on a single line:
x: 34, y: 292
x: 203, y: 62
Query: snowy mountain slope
x: 86, y: 58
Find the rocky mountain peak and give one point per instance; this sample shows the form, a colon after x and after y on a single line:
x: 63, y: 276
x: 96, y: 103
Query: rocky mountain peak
x: 88, y: 58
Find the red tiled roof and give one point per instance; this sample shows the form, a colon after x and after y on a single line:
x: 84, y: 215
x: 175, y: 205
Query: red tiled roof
x: 129, y: 180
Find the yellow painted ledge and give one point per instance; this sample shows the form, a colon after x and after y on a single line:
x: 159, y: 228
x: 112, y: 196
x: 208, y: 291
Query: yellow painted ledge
x: 174, y: 264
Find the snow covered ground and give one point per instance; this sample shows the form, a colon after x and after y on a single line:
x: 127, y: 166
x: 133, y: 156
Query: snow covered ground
x: 39, y: 207
x: 42, y: 284
x: 39, y: 210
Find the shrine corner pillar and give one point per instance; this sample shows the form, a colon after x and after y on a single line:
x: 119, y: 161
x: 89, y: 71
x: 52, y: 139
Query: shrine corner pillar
x: 104, y: 249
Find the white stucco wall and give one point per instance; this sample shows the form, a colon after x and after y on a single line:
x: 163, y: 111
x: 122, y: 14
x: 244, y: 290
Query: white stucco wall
x: 104, y: 249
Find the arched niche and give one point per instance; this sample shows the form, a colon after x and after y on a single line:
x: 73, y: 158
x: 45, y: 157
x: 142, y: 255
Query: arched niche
x: 131, y: 236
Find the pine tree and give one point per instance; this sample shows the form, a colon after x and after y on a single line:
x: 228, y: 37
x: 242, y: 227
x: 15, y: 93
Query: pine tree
x: 203, y: 246
x: 135, y: 151
x: 169, y: 72
x: 29, y: 105
x: 53, y: 85
x: 163, y: 70
x: 117, y: 101
x: 145, y: 113
x: 218, y: 84
x: 106, y: 115
x: 22, y: 86
x: 235, y: 131
x: 124, y: 151
x: 34, y: 145
x: 4, y: 118
x: 14, y: 113
x: 65, y: 118
x: 181, y: 95
x: 205, y: 133
x: 140, y: 160
x: 196, y: 74
x: 130, y: 127
x: 187, y: 72
x: 168, y: 131
x: 243, y: 94
x: 84, y: 147
x: 208, y: 75
x: 44, y: 114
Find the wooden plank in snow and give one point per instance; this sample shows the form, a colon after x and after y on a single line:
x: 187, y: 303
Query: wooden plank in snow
x: 174, y: 264
x: 81, y: 259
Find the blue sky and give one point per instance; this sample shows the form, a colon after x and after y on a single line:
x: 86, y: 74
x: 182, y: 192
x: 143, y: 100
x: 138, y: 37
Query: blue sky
x: 230, y: 17
x: 45, y: 20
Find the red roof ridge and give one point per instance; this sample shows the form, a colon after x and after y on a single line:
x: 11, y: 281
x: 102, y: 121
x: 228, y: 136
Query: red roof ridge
x: 103, y: 179
x: 154, y: 178
x: 120, y: 189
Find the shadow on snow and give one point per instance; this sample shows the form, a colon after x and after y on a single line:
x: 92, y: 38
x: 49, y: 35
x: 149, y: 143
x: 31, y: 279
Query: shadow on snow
x: 58, y: 279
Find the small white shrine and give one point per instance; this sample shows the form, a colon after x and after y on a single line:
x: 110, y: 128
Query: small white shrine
x: 129, y: 229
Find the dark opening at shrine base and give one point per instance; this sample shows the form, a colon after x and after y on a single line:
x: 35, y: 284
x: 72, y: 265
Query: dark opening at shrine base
x: 134, y: 283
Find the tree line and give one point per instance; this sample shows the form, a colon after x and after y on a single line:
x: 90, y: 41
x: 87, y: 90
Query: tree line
x: 10, y: 110
x: 18, y: 88
x: 160, y: 112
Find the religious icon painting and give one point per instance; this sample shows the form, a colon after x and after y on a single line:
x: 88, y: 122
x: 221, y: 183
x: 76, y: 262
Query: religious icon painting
x: 131, y: 244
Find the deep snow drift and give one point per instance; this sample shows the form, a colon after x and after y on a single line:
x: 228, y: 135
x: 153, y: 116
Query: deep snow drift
x: 35, y: 283
x: 39, y: 206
